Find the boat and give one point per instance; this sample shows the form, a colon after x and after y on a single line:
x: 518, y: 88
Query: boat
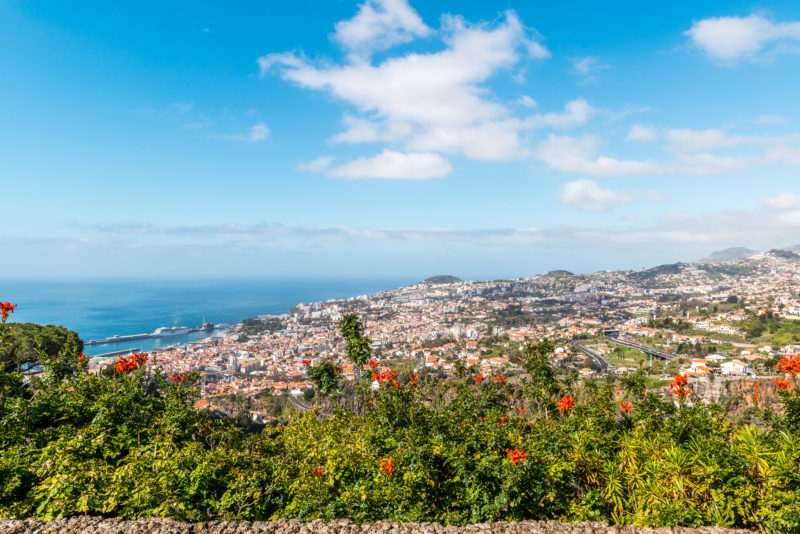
x: 167, y: 331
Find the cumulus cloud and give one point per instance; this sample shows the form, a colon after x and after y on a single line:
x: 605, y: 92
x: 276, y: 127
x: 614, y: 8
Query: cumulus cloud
x: 587, y: 195
x: 379, y: 25
x: 580, y: 155
x: 730, y: 39
x: 425, y: 101
x: 783, y: 201
x: 642, y: 133
x: 576, y: 112
x: 394, y: 166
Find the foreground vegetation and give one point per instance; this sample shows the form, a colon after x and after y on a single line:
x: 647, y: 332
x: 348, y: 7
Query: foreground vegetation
x: 471, y: 449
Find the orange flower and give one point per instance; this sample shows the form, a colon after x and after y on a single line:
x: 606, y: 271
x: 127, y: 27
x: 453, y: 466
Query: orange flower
x: 521, y: 410
x: 178, y: 379
x: 755, y: 393
x: 565, y: 404
x: 387, y: 466
x: 789, y: 365
x: 482, y: 417
x: 81, y: 358
x: 373, y: 363
x: 414, y: 380
x: 680, y: 386
x: 626, y: 406
x: 307, y: 361
x: 339, y: 368
x: 318, y: 471
x: 479, y: 378
x: 502, y: 419
x: 783, y: 383
x: 516, y: 455
x: 5, y: 309
x: 501, y: 378
x: 386, y: 377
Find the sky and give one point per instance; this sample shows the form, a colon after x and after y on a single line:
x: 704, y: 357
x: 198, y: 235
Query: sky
x: 393, y: 138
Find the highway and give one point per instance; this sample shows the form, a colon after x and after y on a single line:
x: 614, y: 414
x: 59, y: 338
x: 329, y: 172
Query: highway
x: 647, y: 349
x: 604, y: 366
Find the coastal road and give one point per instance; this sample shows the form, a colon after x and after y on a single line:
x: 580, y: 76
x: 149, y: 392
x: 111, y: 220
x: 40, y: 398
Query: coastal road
x: 604, y: 366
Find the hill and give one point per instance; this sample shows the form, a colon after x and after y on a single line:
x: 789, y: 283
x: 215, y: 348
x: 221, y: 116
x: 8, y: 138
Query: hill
x: 728, y: 254
x: 441, y: 279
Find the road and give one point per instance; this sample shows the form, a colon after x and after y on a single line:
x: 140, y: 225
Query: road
x: 647, y: 349
x: 604, y: 366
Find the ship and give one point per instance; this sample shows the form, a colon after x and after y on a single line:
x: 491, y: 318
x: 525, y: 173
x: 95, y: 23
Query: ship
x: 168, y: 331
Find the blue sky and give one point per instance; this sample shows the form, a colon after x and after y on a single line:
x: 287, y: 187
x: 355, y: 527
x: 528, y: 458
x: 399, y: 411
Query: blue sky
x: 338, y: 138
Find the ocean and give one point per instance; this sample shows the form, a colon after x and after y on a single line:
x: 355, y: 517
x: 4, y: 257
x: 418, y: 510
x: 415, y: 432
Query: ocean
x: 101, y: 309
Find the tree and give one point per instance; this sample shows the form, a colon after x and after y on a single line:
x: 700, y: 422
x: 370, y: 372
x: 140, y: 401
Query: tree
x: 325, y: 377
x: 28, y: 343
x: 358, y: 345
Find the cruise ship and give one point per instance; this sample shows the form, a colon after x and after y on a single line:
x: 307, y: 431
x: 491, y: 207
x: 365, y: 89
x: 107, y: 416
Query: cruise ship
x: 166, y: 331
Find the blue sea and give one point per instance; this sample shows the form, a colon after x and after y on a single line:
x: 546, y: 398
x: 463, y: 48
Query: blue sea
x: 101, y: 309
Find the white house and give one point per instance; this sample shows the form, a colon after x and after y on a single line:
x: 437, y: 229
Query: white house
x: 736, y: 368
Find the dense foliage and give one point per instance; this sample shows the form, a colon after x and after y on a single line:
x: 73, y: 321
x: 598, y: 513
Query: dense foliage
x: 473, y: 449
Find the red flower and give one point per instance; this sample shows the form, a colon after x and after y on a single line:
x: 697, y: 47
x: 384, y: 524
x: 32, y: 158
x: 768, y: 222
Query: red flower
x: 502, y: 419
x: 521, y: 410
x: 81, y: 358
x: 680, y: 386
x: 789, y: 365
x: 479, y: 378
x: 318, y: 471
x: 373, y: 363
x: 414, y: 380
x: 783, y: 383
x: 386, y: 377
x: 516, y: 455
x: 5, y: 309
x: 307, y: 361
x: 339, y: 368
x: 482, y: 417
x: 755, y: 393
x: 501, y: 378
x: 565, y: 404
x: 626, y: 406
x: 130, y: 363
x: 178, y: 379
x: 387, y: 466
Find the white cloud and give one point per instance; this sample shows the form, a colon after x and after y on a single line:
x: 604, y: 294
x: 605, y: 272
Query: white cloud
x: 587, y: 67
x: 685, y: 140
x: 427, y: 101
x: 772, y: 119
x: 586, y: 195
x: 730, y: 39
x: 783, y: 201
x: 528, y: 102
x: 395, y: 166
x: 579, y: 155
x: 642, y: 133
x: 258, y: 132
x: 379, y: 25
x: 576, y: 112
x: 318, y: 165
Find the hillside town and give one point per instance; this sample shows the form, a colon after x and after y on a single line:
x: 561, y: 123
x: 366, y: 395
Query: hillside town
x: 701, y: 320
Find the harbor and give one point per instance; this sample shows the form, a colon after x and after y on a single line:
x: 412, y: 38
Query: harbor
x: 164, y: 331
x: 159, y: 340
